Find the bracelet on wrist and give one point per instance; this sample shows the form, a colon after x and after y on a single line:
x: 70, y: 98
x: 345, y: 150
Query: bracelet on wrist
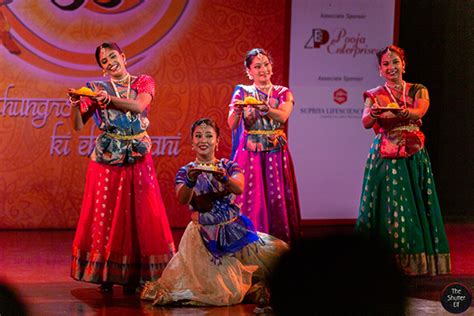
x: 225, y: 180
x: 108, y: 98
x: 74, y: 103
x: 106, y: 102
x: 265, y: 112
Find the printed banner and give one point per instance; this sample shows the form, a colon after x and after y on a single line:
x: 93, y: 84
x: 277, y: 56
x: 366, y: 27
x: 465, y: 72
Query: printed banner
x: 332, y: 62
x: 194, y: 50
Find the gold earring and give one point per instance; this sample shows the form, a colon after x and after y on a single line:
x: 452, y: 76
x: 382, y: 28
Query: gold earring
x: 104, y: 72
x: 249, y: 75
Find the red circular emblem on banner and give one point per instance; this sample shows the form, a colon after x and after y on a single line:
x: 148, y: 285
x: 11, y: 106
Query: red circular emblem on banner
x: 61, y: 38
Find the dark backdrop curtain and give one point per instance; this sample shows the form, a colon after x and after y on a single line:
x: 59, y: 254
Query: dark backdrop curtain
x: 438, y: 37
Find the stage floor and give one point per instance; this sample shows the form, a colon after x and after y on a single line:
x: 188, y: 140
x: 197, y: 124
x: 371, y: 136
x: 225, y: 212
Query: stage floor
x: 36, y: 264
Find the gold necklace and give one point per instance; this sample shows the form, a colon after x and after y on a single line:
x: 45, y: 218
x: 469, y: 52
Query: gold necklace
x: 127, y: 96
x: 119, y: 81
x: 128, y: 78
x: 269, y: 87
x: 404, y: 85
x: 395, y: 86
x: 212, y: 161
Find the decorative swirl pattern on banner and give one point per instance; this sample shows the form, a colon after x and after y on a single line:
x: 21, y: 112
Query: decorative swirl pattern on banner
x: 196, y: 66
x: 38, y: 50
x: 101, y: 6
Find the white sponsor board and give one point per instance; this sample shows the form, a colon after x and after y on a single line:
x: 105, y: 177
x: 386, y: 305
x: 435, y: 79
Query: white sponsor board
x: 332, y: 62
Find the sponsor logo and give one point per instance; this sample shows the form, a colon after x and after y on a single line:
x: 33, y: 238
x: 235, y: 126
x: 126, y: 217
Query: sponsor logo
x: 340, y: 42
x: 318, y: 37
x: 332, y: 112
x: 340, y: 96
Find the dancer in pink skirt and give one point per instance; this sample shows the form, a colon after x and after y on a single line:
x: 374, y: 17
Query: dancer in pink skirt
x: 270, y: 197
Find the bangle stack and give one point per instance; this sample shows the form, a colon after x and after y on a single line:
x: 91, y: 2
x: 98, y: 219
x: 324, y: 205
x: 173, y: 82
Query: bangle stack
x: 74, y: 103
x: 104, y: 104
x: 406, y: 114
x: 265, y: 112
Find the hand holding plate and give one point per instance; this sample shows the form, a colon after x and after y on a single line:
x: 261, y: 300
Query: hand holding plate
x: 221, y: 175
x: 375, y: 111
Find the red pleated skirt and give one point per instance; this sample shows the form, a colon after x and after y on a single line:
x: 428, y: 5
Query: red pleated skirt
x: 123, y: 234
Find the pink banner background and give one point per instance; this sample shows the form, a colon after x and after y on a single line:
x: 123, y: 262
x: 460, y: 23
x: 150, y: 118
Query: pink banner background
x: 193, y: 49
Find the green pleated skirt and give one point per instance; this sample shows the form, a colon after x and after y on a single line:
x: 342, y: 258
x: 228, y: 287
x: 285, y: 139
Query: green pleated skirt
x: 399, y: 205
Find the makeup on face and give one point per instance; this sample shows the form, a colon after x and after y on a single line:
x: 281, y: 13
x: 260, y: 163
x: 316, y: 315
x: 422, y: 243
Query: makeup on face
x: 205, y: 140
x: 112, y: 61
x: 261, y: 69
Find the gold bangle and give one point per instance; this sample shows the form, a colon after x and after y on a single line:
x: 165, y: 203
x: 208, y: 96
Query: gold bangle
x: 407, y: 115
x: 265, y: 112
x: 74, y: 103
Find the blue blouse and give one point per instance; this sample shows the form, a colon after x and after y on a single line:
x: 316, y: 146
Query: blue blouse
x: 123, y: 139
x: 223, y: 229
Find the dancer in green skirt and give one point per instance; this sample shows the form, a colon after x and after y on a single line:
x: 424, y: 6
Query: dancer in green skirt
x: 399, y: 203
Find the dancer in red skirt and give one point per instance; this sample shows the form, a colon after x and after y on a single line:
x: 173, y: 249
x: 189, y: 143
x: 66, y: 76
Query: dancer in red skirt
x: 123, y: 235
